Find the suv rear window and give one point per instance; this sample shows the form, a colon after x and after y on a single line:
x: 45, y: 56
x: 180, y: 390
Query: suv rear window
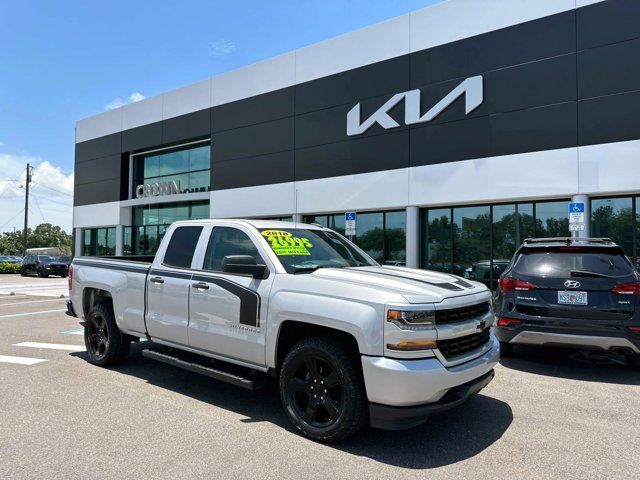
x: 559, y: 263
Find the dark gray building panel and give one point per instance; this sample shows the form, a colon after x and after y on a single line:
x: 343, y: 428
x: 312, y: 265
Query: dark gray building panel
x: 250, y: 171
x: 613, y: 118
x: 609, y: 69
x: 99, y: 147
x: 96, y: 192
x: 526, y: 42
x: 191, y: 126
x: 139, y: 138
x: 251, y: 111
x: 607, y: 22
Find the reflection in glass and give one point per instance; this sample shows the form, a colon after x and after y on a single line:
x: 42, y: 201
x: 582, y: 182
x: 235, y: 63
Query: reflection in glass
x: 370, y: 234
x: 395, y: 224
x: 471, y: 243
x: 613, y: 218
x: 552, y: 219
x: 436, y: 234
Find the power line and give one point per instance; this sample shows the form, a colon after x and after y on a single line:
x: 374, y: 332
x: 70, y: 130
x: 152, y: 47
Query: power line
x: 40, y: 209
x: 11, y: 219
x: 53, y: 189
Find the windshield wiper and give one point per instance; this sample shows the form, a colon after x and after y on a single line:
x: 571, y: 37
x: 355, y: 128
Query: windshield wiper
x: 583, y: 273
x: 306, y: 269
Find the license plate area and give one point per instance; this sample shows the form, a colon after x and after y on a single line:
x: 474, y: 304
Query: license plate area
x: 566, y: 297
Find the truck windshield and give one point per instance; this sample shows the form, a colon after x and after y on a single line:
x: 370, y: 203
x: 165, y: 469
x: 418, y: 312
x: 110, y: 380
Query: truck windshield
x: 302, y: 250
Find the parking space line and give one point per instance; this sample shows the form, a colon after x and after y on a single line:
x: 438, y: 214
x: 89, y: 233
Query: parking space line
x: 20, y: 360
x: 80, y: 331
x: 31, y: 313
x: 32, y: 301
x: 51, y: 346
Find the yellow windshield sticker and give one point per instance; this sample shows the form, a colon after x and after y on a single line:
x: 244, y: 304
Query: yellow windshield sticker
x: 287, y: 244
x: 276, y: 233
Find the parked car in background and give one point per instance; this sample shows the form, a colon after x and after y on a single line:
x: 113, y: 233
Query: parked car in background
x: 481, y: 271
x: 37, y: 265
x: 60, y: 266
x: 581, y: 293
x: 16, y: 258
x: 5, y: 259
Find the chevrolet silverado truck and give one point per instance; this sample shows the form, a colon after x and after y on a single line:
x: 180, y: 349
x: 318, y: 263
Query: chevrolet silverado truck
x: 349, y: 341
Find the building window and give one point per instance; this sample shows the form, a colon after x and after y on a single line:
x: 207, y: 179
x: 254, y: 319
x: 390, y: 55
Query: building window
x: 381, y: 234
x: 189, y: 167
x: 477, y: 242
x: 99, y: 242
x: 150, y: 222
x: 613, y: 218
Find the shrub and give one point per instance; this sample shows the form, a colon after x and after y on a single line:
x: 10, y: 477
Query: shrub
x: 9, y: 268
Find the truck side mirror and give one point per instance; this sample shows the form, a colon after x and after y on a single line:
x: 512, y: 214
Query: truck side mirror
x: 244, y: 265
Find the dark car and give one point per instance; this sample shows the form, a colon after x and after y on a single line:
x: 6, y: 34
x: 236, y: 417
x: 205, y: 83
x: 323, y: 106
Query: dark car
x: 38, y: 265
x: 580, y: 293
x: 60, y: 266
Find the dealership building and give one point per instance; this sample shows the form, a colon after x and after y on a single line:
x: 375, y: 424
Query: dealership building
x: 454, y: 132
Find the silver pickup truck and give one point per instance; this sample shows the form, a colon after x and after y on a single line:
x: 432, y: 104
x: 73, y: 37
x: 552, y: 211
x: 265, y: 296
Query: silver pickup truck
x: 349, y: 341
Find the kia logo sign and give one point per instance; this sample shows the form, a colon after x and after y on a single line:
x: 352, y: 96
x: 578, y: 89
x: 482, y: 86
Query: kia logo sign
x: 157, y: 189
x: 572, y: 284
x: 471, y: 88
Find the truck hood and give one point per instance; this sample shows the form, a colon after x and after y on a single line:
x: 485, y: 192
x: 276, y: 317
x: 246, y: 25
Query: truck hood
x: 416, y: 286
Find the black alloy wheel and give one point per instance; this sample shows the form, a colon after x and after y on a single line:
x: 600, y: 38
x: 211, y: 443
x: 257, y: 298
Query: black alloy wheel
x: 106, y: 344
x: 322, y: 388
x: 97, y: 336
x: 316, y: 393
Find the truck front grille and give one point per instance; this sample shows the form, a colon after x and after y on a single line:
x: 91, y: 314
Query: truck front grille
x: 462, y: 314
x: 454, y: 347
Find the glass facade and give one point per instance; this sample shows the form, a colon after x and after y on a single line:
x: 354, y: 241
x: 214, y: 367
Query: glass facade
x: 477, y: 242
x: 150, y: 223
x: 381, y: 234
x: 189, y: 166
x: 100, y: 242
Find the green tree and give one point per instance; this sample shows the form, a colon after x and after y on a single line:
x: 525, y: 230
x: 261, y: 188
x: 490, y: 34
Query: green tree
x: 44, y: 235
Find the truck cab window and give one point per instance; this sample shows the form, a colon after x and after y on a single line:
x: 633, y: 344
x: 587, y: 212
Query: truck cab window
x: 182, y: 247
x: 228, y: 241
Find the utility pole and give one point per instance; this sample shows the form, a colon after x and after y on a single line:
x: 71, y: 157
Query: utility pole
x: 26, y: 209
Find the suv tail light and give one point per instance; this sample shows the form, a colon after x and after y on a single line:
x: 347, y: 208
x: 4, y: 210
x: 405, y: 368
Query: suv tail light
x: 510, y: 284
x: 627, y: 289
x: 508, y: 322
x: 70, y: 276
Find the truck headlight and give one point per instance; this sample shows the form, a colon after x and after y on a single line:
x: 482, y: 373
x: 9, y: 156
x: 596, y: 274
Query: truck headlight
x: 412, y: 319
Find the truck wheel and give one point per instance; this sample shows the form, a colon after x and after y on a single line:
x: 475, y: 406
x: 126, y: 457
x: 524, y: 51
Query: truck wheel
x: 506, y: 349
x: 41, y: 274
x: 106, y: 344
x: 633, y: 361
x: 322, y: 389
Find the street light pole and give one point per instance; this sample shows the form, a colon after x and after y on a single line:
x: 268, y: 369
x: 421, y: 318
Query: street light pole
x: 26, y: 209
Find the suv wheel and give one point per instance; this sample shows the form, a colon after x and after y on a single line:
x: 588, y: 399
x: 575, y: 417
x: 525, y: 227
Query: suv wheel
x: 106, y: 344
x: 633, y: 361
x: 322, y: 389
x: 42, y: 274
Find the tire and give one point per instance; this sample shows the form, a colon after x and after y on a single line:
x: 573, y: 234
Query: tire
x: 506, y: 349
x: 106, y: 344
x: 338, y: 411
x: 23, y: 273
x: 633, y: 361
x: 41, y: 274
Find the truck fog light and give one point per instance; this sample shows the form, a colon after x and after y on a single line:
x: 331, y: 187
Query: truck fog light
x: 411, y: 346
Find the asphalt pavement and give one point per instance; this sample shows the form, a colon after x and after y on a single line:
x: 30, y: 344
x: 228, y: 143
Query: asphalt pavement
x: 547, y: 414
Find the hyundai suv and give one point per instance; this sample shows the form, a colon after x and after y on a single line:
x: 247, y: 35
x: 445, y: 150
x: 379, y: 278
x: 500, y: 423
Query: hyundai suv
x: 580, y: 293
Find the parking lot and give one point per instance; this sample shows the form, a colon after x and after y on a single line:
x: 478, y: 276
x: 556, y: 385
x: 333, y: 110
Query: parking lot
x: 547, y: 414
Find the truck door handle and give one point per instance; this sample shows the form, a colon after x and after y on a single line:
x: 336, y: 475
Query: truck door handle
x: 201, y: 285
x: 156, y: 280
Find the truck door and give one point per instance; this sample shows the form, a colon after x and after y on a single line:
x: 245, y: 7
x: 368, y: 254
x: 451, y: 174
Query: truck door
x: 227, y: 311
x: 168, y: 287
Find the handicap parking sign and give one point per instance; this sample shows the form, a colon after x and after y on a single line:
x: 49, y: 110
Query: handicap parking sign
x: 577, y: 207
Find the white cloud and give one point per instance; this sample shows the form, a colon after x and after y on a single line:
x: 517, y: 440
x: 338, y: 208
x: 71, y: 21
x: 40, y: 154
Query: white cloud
x: 119, y: 102
x: 51, y: 198
x: 221, y: 47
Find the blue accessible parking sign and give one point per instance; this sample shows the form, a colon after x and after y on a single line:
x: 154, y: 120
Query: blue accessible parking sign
x: 576, y: 207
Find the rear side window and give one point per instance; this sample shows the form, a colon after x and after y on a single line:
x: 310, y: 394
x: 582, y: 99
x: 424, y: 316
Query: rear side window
x: 228, y: 241
x: 182, y: 246
x: 562, y: 263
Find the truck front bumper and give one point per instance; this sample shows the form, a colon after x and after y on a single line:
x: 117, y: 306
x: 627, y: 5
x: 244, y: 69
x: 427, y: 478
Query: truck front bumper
x: 404, y: 393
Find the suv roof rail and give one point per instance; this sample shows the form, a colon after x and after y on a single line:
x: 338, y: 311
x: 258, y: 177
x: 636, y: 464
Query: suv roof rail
x: 568, y: 240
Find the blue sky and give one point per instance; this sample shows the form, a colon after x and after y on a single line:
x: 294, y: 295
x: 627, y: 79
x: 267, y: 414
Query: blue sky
x: 66, y: 60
